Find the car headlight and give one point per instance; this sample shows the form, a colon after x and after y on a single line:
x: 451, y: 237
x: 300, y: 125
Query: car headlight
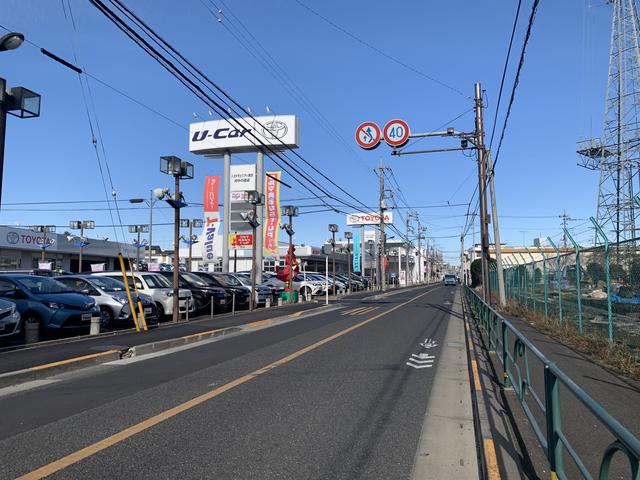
x: 169, y: 294
x: 53, y: 305
x: 120, y: 300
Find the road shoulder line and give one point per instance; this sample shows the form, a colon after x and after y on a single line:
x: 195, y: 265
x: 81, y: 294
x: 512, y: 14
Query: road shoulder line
x: 447, y: 444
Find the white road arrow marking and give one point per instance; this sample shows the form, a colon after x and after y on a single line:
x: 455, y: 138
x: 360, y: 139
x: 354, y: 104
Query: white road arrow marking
x: 429, y: 344
x: 420, y: 362
x: 422, y: 356
x: 419, y: 366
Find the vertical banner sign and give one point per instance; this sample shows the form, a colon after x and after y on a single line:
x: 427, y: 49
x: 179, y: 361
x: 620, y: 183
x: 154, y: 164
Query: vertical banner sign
x: 211, y: 218
x: 272, y: 212
x: 356, y: 252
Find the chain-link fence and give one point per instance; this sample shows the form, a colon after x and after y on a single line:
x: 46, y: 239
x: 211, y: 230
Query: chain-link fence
x: 595, y: 289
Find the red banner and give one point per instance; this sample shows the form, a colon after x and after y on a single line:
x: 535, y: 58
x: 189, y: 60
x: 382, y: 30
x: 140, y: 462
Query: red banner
x: 211, y: 187
x: 272, y: 214
x: 211, y: 218
x: 241, y: 240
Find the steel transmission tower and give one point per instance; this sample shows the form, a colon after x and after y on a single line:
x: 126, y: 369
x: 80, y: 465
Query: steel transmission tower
x: 617, y: 154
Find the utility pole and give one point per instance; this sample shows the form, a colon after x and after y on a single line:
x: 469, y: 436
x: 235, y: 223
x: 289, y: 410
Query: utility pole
x: 463, y: 275
x: 420, y: 237
x: 383, y: 207
x: 502, y: 297
x: 482, y: 183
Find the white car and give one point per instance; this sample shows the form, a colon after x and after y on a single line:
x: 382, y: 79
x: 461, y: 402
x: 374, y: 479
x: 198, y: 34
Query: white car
x: 158, y: 288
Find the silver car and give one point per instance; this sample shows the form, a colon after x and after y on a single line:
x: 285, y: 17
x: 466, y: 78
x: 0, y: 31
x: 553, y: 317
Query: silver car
x: 262, y: 291
x: 158, y: 288
x: 9, y: 319
x: 111, y: 297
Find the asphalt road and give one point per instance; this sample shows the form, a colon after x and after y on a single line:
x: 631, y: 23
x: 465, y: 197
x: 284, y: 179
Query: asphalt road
x: 324, y: 397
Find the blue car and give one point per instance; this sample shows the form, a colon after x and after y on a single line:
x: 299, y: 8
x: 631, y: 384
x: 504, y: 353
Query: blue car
x: 46, y: 301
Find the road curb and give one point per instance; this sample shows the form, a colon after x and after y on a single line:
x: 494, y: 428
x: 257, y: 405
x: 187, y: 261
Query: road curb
x: 42, y: 371
x: 487, y: 457
x: 147, y: 348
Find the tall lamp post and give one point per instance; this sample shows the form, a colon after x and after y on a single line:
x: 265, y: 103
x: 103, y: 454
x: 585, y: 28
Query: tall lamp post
x: 153, y: 198
x: 18, y: 101
x: 46, y: 241
x: 348, y: 236
x: 171, y: 165
x: 82, y: 225
x: 138, y: 229
x: 333, y: 228
x: 290, y: 211
x: 192, y: 239
x: 251, y: 217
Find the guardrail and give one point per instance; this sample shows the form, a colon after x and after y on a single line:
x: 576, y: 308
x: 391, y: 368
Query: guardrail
x: 542, y: 406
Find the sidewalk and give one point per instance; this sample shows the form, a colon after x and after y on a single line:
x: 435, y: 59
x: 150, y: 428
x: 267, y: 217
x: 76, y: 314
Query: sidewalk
x: 518, y: 449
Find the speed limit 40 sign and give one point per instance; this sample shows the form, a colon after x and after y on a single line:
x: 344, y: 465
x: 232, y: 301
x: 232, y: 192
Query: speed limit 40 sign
x: 396, y: 132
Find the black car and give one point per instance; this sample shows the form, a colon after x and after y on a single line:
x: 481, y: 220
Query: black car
x: 241, y: 293
x: 202, y: 292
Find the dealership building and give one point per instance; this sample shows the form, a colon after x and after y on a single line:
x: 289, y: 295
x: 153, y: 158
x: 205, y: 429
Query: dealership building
x: 22, y: 249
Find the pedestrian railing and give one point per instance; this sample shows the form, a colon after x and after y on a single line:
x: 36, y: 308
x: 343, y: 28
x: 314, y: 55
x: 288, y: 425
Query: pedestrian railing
x: 536, y: 383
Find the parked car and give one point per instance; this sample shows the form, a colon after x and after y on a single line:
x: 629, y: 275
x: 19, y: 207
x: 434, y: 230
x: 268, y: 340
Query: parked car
x: 111, y: 297
x: 241, y: 293
x: 203, y: 293
x: 450, y: 280
x: 10, y: 324
x: 158, y: 288
x: 48, y: 302
x: 276, y: 290
x: 262, y: 291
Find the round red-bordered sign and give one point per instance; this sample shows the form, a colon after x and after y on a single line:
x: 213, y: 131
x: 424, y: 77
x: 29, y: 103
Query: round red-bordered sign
x: 396, y: 132
x: 368, y: 135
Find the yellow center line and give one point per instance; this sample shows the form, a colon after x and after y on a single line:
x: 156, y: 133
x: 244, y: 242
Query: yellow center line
x: 72, y: 360
x: 116, y: 438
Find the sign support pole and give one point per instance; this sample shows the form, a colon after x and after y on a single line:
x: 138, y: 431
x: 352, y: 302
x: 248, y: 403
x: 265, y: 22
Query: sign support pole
x: 259, y: 237
x: 226, y: 220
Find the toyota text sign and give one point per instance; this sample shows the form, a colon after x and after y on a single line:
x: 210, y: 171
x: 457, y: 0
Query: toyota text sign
x: 357, y: 219
x: 248, y: 134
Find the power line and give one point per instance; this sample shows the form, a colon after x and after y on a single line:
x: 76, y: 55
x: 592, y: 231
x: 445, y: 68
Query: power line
x: 377, y: 50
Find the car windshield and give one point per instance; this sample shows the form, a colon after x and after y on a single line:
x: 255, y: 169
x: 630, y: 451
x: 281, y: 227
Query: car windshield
x: 231, y: 280
x: 244, y: 280
x: 44, y: 285
x: 193, y: 279
x: 449, y: 277
x: 222, y: 280
x: 156, y: 281
x: 209, y: 280
x: 107, y: 284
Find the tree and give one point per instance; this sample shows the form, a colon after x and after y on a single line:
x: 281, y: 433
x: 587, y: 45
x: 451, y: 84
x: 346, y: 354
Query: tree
x: 595, y: 272
x: 476, y: 271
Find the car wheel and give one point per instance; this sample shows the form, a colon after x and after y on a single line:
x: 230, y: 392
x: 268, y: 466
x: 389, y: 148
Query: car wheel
x: 106, y: 317
x: 306, y: 293
x: 160, y: 310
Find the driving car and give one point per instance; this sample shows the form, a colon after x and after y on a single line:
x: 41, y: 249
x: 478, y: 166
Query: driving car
x: 48, y: 302
x: 158, y: 288
x: 450, y: 280
x: 112, y: 299
x: 9, y: 319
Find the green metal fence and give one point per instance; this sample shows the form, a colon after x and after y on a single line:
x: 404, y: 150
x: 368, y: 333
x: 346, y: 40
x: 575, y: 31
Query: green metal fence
x: 596, y: 289
x: 553, y: 403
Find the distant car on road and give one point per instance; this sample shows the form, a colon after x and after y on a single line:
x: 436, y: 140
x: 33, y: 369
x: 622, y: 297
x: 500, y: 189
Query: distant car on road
x: 450, y: 280
x: 48, y: 302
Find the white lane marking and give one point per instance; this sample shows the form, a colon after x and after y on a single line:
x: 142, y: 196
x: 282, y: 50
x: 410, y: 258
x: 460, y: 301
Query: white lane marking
x: 22, y: 387
x: 421, y: 362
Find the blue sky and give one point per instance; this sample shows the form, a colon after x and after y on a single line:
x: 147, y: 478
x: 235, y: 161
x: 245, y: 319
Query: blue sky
x: 560, y: 100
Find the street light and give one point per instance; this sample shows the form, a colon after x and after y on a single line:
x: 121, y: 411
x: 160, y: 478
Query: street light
x: 138, y: 229
x: 46, y: 241
x: 82, y: 242
x: 17, y: 101
x: 193, y: 239
x: 171, y: 165
x: 290, y: 211
x: 251, y: 217
x: 333, y: 228
x: 150, y: 203
x: 349, y: 236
